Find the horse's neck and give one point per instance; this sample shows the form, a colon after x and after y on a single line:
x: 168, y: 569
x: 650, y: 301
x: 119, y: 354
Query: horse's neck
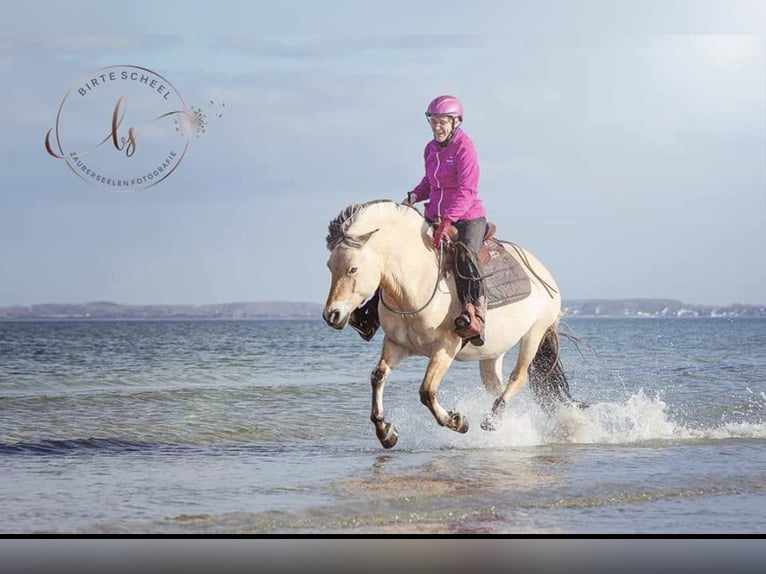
x: 410, y: 272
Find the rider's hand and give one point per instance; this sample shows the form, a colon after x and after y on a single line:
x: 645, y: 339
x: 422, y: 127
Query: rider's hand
x: 441, y: 231
x: 410, y: 199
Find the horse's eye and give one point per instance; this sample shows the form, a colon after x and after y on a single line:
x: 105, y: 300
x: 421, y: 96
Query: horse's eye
x: 352, y: 271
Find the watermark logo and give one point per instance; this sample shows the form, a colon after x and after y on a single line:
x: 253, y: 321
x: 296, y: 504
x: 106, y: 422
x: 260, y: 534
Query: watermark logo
x: 124, y: 128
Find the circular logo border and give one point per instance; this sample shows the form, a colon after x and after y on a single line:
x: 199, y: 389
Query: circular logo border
x: 67, y: 158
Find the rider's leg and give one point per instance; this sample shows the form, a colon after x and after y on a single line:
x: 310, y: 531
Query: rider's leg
x: 470, y: 323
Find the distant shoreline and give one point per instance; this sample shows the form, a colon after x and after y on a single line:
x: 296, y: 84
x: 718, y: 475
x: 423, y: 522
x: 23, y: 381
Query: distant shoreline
x: 319, y: 319
x: 285, y: 310
x: 151, y: 319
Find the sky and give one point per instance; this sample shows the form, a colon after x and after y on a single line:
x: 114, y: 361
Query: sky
x: 626, y: 149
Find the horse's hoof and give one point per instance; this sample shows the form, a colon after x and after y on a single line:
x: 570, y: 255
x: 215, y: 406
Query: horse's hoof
x: 390, y: 436
x: 490, y: 422
x: 457, y: 422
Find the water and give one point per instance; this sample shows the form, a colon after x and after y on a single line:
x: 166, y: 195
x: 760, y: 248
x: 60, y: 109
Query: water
x: 263, y: 427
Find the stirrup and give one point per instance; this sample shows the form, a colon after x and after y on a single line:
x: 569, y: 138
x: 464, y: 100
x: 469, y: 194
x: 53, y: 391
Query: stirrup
x: 478, y: 340
x: 472, y: 334
x: 462, y: 321
x: 470, y: 327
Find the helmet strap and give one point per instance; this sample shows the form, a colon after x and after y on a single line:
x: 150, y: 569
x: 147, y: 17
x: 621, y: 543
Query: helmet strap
x: 455, y: 126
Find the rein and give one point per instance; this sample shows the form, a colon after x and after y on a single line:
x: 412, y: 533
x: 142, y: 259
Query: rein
x: 433, y: 293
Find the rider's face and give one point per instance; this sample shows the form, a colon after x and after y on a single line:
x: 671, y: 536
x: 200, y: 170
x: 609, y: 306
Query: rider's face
x: 441, y: 126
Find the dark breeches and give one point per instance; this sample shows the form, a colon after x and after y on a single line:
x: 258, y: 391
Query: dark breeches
x: 470, y: 237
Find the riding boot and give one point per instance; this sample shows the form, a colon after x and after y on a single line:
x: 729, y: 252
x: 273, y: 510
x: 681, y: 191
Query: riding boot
x: 470, y: 323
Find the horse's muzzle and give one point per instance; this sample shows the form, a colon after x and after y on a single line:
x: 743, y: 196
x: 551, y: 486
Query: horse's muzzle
x: 334, y: 318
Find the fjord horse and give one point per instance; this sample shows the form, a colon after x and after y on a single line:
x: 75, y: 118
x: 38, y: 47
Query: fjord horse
x: 386, y: 245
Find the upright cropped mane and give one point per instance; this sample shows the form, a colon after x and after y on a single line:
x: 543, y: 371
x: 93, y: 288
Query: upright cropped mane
x: 337, y: 231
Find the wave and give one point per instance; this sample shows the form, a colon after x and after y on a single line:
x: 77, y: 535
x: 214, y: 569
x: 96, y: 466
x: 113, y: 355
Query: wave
x: 71, y: 446
x: 79, y: 446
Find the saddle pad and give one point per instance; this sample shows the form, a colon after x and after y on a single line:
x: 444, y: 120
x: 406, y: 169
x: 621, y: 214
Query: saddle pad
x: 505, y: 280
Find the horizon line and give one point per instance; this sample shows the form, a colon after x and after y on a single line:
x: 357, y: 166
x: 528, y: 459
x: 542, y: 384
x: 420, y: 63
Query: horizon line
x: 304, y: 302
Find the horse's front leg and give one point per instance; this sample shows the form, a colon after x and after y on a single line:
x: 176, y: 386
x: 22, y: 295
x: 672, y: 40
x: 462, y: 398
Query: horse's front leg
x: 390, y: 357
x: 437, y: 367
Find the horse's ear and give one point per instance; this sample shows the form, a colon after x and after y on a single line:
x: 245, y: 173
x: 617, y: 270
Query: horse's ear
x: 364, y: 238
x: 360, y: 240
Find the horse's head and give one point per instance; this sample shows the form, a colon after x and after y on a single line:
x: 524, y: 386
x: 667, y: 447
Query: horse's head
x: 361, y: 241
x: 356, y: 275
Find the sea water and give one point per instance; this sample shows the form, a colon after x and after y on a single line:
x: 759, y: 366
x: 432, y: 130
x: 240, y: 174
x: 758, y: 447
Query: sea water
x: 202, y: 427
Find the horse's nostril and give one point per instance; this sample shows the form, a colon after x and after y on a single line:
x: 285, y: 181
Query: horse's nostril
x: 332, y: 317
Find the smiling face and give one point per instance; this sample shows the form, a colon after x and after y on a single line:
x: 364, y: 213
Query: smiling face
x: 442, y: 126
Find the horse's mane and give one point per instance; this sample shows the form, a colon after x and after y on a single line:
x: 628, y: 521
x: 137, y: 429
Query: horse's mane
x: 338, y: 228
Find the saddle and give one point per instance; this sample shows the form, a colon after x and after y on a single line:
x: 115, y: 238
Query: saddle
x: 505, y: 279
x: 484, y: 251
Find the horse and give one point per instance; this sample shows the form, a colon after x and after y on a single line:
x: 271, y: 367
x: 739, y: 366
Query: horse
x: 386, y: 246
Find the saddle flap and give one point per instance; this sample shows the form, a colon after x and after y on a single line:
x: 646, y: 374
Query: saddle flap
x: 505, y: 279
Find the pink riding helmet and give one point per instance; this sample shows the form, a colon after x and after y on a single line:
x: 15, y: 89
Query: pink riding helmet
x: 445, y: 105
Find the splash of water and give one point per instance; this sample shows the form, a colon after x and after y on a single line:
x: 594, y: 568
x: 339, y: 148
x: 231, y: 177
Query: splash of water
x: 639, y: 419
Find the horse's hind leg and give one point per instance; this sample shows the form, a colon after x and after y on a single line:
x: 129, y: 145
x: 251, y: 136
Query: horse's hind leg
x: 491, y: 371
x: 390, y: 358
x: 518, y: 378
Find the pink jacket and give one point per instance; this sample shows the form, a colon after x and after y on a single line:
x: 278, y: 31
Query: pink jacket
x: 451, y: 182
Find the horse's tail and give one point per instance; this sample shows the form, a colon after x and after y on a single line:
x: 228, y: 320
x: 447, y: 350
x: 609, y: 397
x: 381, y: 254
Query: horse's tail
x: 546, y: 374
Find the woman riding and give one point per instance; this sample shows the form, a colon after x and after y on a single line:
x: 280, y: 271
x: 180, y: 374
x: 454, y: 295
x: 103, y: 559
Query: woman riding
x: 451, y: 186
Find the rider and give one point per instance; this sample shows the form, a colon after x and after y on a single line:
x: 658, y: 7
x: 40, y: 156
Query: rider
x: 451, y: 186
